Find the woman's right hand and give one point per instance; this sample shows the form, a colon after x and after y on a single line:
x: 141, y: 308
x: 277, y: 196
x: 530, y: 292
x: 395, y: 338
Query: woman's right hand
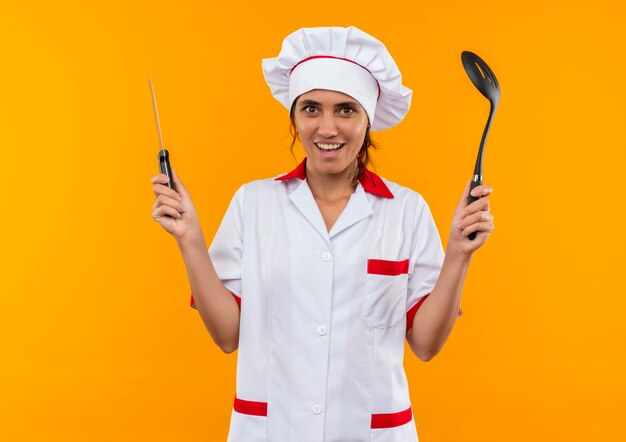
x: 173, y: 209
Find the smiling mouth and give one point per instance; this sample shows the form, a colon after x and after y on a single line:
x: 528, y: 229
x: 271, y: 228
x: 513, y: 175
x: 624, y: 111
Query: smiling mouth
x: 329, y: 147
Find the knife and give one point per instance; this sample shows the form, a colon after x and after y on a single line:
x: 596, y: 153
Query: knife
x: 164, y: 156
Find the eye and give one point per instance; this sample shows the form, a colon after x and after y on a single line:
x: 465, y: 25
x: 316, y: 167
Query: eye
x: 308, y: 109
x: 347, y: 111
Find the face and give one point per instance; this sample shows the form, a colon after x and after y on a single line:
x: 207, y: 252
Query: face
x: 332, y: 127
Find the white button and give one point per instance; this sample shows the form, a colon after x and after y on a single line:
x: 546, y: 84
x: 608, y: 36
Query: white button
x: 322, y: 329
x: 326, y: 256
x: 317, y: 408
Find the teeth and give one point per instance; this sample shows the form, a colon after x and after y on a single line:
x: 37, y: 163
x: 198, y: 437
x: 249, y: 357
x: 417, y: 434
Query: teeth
x: 328, y: 146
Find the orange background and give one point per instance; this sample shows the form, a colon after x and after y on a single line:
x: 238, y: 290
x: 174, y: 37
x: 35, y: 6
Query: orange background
x: 97, y: 340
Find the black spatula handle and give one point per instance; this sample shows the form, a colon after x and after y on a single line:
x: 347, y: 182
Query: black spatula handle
x: 471, y: 199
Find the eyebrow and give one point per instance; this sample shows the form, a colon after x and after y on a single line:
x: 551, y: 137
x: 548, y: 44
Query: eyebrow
x: 317, y: 103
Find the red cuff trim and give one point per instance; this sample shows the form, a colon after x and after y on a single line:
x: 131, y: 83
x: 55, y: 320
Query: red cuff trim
x: 192, y: 302
x: 250, y: 407
x: 389, y: 268
x: 410, y: 315
x: 238, y: 299
x: 389, y: 420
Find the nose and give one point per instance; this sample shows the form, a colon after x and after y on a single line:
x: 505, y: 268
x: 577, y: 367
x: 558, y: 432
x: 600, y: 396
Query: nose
x: 328, y: 127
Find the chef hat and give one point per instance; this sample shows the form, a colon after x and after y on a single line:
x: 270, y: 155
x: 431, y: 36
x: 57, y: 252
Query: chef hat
x: 346, y: 60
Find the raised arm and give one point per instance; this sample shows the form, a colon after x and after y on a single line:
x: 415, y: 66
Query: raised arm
x: 175, y: 212
x: 435, y: 318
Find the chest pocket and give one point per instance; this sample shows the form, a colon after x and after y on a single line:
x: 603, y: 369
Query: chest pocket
x: 386, y: 286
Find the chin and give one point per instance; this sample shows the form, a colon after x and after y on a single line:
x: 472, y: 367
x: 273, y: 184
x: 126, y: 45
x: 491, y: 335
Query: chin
x: 332, y: 166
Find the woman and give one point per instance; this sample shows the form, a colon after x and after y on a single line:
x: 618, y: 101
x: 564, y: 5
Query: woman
x: 319, y: 275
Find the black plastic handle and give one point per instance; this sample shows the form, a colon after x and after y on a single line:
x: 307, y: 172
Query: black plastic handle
x: 471, y: 199
x: 164, y: 167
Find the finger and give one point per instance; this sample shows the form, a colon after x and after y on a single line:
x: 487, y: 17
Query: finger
x: 477, y: 217
x: 163, y: 200
x: 482, y: 227
x: 160, y: 178
x: 160, y: 189
x: 166, y: 210
x: 478, y: 205
x: 482, y: 190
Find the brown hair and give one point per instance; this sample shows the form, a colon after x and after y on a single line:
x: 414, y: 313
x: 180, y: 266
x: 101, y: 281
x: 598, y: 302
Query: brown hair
x: 363, y: 158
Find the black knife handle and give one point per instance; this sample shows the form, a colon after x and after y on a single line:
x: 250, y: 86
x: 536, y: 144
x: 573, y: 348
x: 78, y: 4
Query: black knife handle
x: 164, y: 167
x: 471, y: 199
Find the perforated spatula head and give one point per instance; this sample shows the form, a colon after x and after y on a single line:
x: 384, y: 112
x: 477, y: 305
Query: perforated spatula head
x: 482, y: 76
x: 486, y: 82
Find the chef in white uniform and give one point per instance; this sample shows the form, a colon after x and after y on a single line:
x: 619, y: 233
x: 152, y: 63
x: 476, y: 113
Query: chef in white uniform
x: 331, y: 266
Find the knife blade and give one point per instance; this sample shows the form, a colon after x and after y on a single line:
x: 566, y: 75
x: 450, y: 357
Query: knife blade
x: 163, y: 156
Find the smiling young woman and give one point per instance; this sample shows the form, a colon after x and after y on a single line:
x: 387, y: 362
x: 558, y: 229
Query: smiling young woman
x: 334, y: 131
x: 319, y: 276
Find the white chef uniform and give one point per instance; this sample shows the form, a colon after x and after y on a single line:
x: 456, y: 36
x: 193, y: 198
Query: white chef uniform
x: 324, y: 314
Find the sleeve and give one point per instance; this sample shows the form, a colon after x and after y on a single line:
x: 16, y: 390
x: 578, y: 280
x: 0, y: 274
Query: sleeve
x: 227, y: 247
x: 425, y: 262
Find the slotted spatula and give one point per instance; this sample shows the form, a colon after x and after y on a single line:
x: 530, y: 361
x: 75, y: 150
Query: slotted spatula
x: 485, y: 81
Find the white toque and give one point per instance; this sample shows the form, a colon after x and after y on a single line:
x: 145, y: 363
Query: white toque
x: 345, y: 60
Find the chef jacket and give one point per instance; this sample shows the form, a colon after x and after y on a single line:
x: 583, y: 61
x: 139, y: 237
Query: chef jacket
x: 324, y: 314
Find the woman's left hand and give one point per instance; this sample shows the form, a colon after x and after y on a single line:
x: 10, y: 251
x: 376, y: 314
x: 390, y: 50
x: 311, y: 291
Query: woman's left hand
x: 470, y: 218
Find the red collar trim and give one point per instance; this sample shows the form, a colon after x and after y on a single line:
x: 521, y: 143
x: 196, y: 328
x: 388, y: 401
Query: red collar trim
x: 371, y: 182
